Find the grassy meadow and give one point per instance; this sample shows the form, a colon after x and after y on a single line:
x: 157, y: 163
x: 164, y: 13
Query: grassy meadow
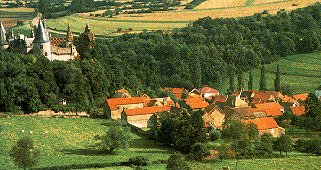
x: 66, y: 144
x: 301, y: 72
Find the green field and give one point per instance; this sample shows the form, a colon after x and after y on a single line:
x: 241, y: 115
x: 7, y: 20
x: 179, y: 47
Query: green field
x: 103, y: 26
x: 68, y: 142
x: 302, y: 72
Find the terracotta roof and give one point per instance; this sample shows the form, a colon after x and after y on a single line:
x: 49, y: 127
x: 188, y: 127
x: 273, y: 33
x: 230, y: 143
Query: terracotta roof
x: 272, y: 108
x: 263, y: 123
x: 196, y: 103
x: 176, y: 91
x: 207, y: 89
x: 244, y: 111
x: 301, y: 97
x: 264, y: 96
x: 146, y: 110
x: 298, y: 111
x: 287, y: 99
x: 114, y: 102
x: 220, y: 98
x: 122, y: 91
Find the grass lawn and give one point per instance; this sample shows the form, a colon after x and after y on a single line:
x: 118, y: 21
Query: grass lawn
x: 68, y: 141
x: 301, y: 72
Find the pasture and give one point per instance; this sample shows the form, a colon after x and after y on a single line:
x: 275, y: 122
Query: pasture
x: 66, y: 143
x: 301, y: 72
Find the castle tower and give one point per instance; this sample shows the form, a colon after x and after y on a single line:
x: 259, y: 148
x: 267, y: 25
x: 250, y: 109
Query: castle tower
x: 41, y: 43
x: 69, y: 37
x: 11, y: 36
x: 86, y: 41
x: 3, y: 37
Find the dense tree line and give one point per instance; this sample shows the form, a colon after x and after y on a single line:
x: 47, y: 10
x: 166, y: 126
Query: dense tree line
x: 31, y: 83
x: 208, y: 50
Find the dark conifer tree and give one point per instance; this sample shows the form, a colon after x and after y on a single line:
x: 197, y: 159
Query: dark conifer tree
x: 250, y: 82
x: 240, y: 83
x: 277, y: 83
x: 231, y: 82
x: 262, y: 79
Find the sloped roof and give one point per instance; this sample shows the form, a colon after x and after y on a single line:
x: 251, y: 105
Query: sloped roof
x: 40, y: 35
x: 220, y: 98
x: 287, y: 99
x: 271, y: 108
x: 298, y: 111
x: 263, y: 123
x: 114, y: 102
x: 301, y: 97
x: 196, y: 103
x: 146, y: 110
x: 176, y: 91
x: 207, y: 89
x: 263, y: 96
x: 3, y: 38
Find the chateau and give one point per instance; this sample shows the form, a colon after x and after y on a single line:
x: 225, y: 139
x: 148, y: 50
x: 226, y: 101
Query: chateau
x: 40, y: 42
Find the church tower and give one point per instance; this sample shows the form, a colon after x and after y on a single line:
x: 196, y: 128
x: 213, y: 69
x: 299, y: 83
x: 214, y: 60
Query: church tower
x: 3, y: 37
x: 41, y: 43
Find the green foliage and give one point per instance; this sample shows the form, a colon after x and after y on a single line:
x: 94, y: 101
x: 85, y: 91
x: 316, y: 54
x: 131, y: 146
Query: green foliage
x: 266, y: 145
x: 115, y: 138
x: 226, y: 151
x: 180, y: 128
x: 277, y: 81
x: 250, y: 82
x: 24, y: 154
x: 214, y: 134
x: 198, y: 152
x: 234, y: 130
x: 177, y: 162
x: 240, y: 83
x: 283, y: 144
x: 138, y: 161
x: 309, y: 145
x: 263, y: 79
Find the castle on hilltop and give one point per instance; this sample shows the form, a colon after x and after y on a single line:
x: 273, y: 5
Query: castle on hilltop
x: 40, y: 42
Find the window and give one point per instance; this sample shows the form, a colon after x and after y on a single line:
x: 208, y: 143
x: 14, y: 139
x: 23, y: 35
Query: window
x: 41, y: 46
x: 46, y: 54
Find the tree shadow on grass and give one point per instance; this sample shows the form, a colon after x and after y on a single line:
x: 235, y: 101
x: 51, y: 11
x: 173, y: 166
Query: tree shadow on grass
x: 86, y: 151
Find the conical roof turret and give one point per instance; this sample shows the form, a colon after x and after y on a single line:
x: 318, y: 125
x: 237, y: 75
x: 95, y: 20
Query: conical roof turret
x: 87, y: 29
x: 3, y: 38
x: 69, y: 36
x: 40, y: 35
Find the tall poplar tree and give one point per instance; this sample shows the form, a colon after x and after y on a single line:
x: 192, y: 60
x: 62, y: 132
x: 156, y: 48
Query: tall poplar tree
x: 231, y: 82
x: 277, y: 83
x: 250, y: 82
x: 262, y: 79
x: 240, y: 83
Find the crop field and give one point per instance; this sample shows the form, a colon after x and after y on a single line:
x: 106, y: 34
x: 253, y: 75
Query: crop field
x: 301, y: 72
x: 102, y: 26
x: 220, y: 4
x: 10, y: 16
x: 266, y: 1
x: 192, y: 15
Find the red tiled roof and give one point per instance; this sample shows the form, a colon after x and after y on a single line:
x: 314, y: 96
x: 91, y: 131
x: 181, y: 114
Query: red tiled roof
x: 196, y: 103
x: 220, y: 98
x: 114, y: 102
x: 287, y: 99
x: 263, y: 123
x: 301, y: 97
x: 263, y: 96
x: 272, y: 108
x: 298, y: 111
x: 176, y: 91
x: 207, y: 89
x: 146, y: 110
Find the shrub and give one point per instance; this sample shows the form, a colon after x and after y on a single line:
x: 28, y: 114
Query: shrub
x: 24, y: 154
x: 177, y: 162
x: 138, y: 161
x: 214, y: 134
x: 199, y: 151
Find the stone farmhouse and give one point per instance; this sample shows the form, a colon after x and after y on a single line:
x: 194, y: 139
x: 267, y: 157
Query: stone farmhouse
x: 40, y: 42
x: 266, y: 125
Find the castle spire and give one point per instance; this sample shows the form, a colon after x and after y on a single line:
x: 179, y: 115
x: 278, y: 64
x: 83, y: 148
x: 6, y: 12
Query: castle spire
x: 3, y: 38
x: 69, y: 36
x: 87, y: 29
x: 41, y: 36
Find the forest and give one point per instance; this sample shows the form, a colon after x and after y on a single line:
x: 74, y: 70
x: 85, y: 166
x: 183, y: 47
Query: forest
x: 204, y: 53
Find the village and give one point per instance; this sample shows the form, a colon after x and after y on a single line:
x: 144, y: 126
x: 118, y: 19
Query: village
x: 251, y: 106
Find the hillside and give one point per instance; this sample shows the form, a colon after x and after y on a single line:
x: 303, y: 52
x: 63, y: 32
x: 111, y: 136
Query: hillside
x: 301, y: 72
x: 66, y: 142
